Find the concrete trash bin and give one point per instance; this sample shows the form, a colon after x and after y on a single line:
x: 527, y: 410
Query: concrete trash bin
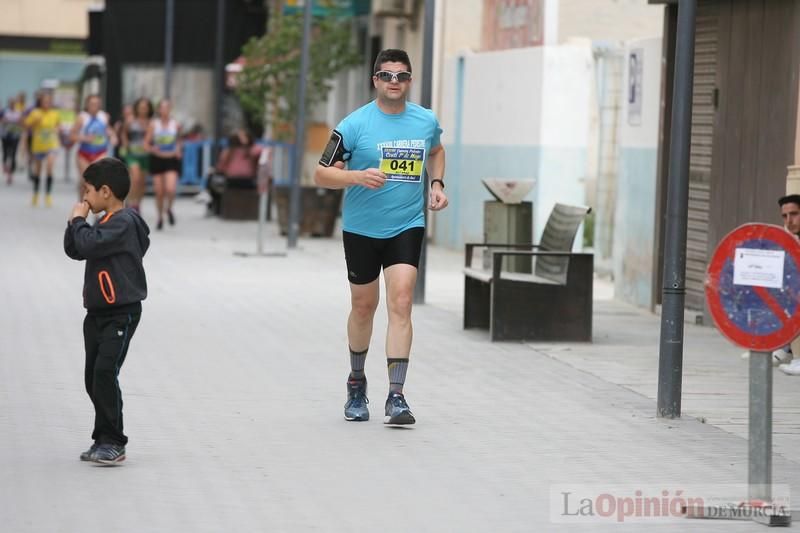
x: 508, y: 219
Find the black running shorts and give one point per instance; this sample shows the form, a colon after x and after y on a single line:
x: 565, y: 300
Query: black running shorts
x: 366, y: 255
x: 160, y: 165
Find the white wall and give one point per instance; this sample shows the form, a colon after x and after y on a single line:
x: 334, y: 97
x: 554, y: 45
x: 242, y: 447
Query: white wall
x: 646, y: 134
x: 46, y: 18
x: 635, y: 222
x: 609, y: 20
x: 524, y: 113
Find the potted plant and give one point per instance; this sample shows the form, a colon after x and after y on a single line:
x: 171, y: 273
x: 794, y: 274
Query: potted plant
x: 267, y: 89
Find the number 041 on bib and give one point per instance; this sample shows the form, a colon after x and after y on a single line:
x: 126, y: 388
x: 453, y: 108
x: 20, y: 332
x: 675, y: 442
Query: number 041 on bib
x: 402, y: 164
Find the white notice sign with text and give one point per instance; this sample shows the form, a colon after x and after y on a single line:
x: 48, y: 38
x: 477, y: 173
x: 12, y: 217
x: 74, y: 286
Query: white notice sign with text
x: 758, y: 268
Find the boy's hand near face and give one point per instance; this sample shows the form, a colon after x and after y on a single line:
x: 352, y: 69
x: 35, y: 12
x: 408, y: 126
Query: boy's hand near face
x: 81, y: 209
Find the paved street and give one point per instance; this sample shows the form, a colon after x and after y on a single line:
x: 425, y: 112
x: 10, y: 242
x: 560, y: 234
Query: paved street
x: 234, y: 388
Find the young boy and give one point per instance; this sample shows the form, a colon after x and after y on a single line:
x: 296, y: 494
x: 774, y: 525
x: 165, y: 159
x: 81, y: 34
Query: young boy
x: 114, y: 286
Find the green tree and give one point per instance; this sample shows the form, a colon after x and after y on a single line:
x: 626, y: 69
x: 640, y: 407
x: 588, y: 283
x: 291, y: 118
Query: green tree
x: 267, y: 85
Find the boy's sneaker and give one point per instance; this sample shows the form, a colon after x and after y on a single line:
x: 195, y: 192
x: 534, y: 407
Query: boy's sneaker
x: 355, y: 409
x: 86, y: 456
x: 108, y: 454
x: 397, y: 410
x: 791, y: 369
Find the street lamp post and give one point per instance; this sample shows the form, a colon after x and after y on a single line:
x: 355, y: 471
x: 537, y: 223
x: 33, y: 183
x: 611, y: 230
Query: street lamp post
x: 299, y: 131
x: 426, y: 101
x: 169, y: 32
x: 670, y: 362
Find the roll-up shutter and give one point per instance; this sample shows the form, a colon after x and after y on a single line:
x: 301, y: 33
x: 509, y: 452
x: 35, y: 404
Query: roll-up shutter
x: 703, y: 107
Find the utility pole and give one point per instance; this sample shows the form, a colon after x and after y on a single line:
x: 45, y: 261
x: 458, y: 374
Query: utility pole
x: 219, y: 77
x: 670, y: 361
x: 299, y: 131
x: 426, y: 101
x: 169, y: 32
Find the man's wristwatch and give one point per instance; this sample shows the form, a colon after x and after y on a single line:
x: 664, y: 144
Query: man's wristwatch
x: 439, y: 180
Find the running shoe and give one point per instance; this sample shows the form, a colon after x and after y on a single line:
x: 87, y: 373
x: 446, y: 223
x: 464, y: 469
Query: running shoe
x: 781, y: 356
x: 355, y: 409
x: 791, y: 369
x: 397, y: 410
x: 86, y: 456
x: 108, y: 454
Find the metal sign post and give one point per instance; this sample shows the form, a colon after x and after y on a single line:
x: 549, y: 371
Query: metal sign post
x: 759, y: 470
x: 271, y: 163
x: 753, y: 294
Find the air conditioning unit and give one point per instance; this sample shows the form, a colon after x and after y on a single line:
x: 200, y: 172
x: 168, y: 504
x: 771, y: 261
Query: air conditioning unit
x: 393, y: 8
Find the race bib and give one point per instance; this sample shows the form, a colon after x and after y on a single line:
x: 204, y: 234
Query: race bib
x: 136, y: 149
x: 98, y: 140
x: 402, y: 164
x: 47, y: 135
x: 165, y: 140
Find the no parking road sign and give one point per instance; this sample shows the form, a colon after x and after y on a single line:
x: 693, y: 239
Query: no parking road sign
x: 753, y: 287
x: 753, y: 292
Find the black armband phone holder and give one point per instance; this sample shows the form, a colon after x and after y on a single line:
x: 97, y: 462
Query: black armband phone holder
x: 334, y: 150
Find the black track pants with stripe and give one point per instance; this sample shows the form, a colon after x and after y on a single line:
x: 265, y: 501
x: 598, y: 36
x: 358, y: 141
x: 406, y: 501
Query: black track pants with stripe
x: 107, y: 338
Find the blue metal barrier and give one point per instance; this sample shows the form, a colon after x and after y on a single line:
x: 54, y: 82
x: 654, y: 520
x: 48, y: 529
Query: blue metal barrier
x: 196, y: 161
x: 281, y: 161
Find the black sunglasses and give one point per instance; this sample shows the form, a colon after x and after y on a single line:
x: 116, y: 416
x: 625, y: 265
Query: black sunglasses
x: 387, y: 76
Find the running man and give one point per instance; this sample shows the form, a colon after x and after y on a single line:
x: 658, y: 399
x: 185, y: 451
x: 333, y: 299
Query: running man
x: 43, y: 123
x: 384, y: 146
x: 94, y: 134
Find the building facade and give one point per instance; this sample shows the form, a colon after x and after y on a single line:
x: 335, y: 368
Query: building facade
x: 575, y: 156
x: 42, y: 43
x: 744, y: 140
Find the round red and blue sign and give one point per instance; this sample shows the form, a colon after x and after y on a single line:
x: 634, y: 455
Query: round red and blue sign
x: 753, y: 287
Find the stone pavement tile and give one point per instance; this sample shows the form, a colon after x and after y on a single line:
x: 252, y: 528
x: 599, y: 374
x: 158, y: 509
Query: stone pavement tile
x: 715, y: 378
x: 234, y: 388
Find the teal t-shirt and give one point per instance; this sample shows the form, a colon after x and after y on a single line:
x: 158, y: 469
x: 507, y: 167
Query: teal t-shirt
x: 398, y: 145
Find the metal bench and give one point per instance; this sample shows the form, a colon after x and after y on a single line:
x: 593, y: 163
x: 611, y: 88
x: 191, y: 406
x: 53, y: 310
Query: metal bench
x: 553, y: 303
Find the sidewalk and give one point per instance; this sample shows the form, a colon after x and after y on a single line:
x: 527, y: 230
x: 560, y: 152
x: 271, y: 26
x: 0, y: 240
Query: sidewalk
x: 234, y: 389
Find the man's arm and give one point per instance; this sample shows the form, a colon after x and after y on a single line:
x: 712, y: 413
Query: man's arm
x: 33, y: 119
x: 435, y: 163
x: 112, y: 135
x: 336, y: 177
x: 178, y: 144
x: 435, y: 167
x: 74, y: 133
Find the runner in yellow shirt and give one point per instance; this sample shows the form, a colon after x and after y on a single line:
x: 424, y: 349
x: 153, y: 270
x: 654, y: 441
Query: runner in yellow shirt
x: 43, y: 123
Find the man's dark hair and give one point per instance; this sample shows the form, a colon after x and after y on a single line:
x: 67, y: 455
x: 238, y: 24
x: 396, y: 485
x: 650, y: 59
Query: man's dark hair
x: 391, y: 55
x: 789, y: 199
x: 111, y: 172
